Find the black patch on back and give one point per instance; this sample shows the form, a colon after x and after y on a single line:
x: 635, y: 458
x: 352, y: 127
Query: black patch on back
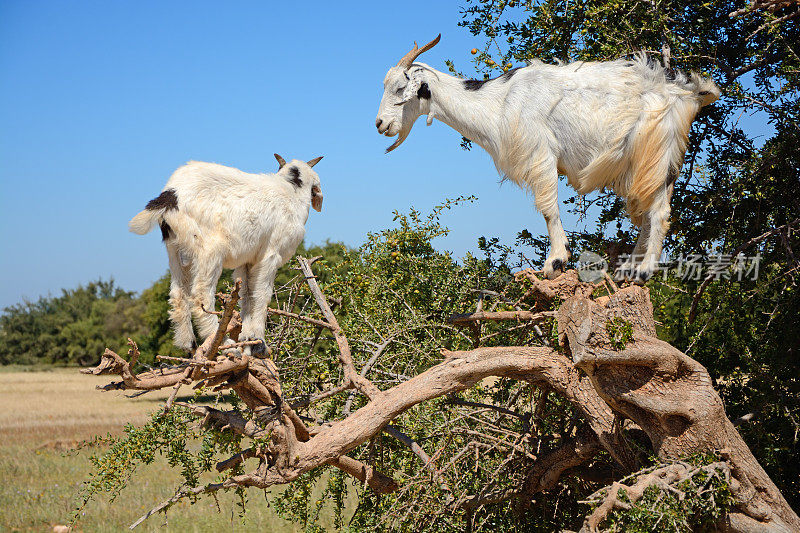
x: 424, y: 91
x: 166, y: 200
x: 474, y: 85
x: 165, y: 229
x: 294, y: 172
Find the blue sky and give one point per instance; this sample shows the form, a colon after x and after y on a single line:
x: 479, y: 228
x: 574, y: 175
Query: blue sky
x: 101, y: 101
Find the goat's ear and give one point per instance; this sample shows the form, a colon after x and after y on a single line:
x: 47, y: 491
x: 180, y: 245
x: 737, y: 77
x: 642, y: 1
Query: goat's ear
x: 314, y: 161
x: 424, y: 91
x: 411, y: 89
x: 281, y: 161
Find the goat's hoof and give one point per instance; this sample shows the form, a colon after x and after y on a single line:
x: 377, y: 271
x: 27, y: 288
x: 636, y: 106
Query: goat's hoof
x: 641, y: 277
x: 554, y: 269
x: 257, y: 350
x: 190, y: 349
x: 228, y: 351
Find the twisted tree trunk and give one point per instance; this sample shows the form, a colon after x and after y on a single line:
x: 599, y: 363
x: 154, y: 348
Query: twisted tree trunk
x: 670, y: 396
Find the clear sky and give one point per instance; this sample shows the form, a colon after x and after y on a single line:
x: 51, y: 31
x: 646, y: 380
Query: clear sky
x: 101, y: 101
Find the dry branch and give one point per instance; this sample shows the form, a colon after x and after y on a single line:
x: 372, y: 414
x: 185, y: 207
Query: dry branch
x: 527, y: 316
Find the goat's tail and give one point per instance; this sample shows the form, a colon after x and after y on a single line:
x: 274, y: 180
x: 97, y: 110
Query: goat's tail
x: 145, y: 221
x: 705, y: 89
x: 154, y: 212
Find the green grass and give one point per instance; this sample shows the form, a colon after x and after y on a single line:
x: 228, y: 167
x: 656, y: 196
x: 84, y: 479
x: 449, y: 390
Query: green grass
x: 43, y: 414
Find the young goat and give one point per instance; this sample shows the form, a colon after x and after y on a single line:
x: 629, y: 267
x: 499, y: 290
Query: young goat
x: 214, y: 217
x: 619, y: 124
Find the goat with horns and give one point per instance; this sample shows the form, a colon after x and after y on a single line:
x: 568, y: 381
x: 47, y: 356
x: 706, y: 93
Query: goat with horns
x: 620, y: 124
x: 214, y: 217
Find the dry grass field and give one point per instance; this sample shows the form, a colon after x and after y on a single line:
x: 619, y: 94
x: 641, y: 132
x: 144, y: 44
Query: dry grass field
x: 45, y: 413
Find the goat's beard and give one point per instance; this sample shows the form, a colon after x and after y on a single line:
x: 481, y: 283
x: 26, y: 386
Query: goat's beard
x: 400, y: 137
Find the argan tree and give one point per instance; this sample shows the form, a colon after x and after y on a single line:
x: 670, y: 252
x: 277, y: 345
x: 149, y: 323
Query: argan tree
x: 545, y: 391
x: 474, y: 395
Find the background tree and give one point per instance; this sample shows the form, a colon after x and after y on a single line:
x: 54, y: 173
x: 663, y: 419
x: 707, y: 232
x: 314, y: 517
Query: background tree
x: 70, y: 328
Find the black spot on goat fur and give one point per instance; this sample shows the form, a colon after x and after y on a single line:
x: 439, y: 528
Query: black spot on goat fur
x: 165, y: 229
x: 166, y: 200
x: 424, y: 91
x: 474, y: 85
x: 294, y: 172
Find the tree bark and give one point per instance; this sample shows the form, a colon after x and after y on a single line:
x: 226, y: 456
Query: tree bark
x: 670, y: 396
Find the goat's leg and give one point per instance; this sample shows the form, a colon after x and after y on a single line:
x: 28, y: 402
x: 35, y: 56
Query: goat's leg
x: 180, y: 311
x: 658, y: 222
x: 261, y: 277
x: 627, y: 269
x: 206, y: 271
x: 544, y: 181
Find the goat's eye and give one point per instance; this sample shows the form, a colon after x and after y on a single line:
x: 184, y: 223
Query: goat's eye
x: 399, y: 91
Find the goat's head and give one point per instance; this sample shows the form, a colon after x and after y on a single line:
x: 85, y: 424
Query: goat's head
x: 300, y: 175
x: 406, y: 96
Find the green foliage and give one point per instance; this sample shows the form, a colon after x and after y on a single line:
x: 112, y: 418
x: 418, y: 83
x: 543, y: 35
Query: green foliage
x: 173, y: 434
x: 397, y: 293
x: 165, y: 433
x: 620, y: 332
x: 695, y: 504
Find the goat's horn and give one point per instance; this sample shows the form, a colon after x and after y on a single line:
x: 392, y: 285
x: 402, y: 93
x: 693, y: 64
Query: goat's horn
x: 315, y: 161
x: 281, y: 161
x: 415, y: 52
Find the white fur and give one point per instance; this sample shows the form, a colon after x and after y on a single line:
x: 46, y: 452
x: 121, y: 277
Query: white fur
x: 227, y: 218
x: 618, y: 124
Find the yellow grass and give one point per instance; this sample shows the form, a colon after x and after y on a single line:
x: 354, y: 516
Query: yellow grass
x: 42, y: 414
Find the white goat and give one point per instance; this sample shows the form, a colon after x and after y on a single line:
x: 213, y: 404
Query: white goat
x: 620, y: 124
x: 214, y: 217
